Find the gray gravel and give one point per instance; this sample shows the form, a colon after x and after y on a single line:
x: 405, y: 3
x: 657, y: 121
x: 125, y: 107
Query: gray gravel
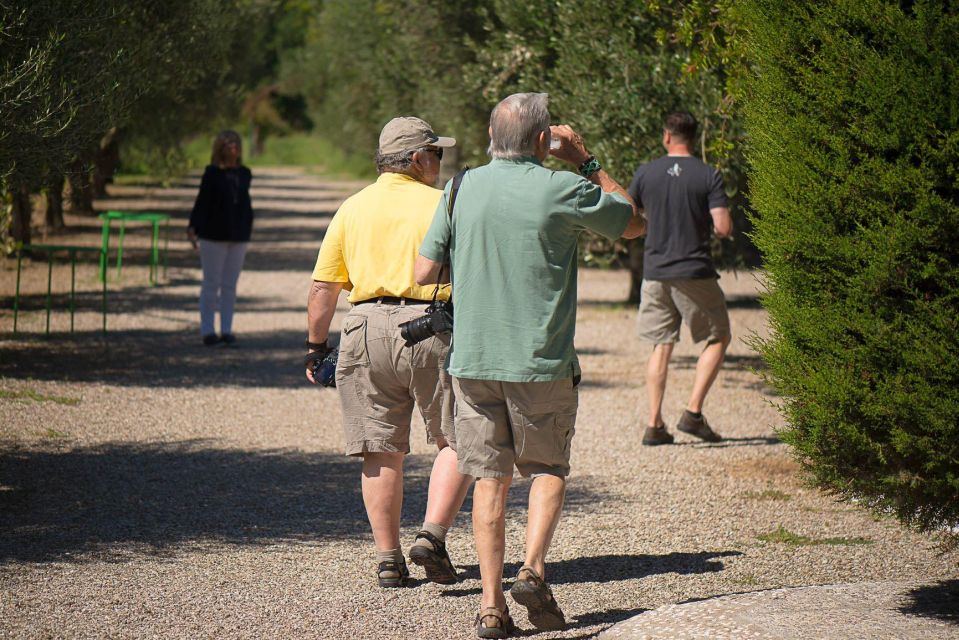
x: 154, y: 487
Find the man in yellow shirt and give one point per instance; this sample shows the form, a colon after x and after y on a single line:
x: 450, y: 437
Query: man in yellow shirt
x: 369, y: 249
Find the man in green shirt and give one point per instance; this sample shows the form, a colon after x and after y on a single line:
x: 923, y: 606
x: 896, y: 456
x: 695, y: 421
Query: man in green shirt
x: 512, y: 245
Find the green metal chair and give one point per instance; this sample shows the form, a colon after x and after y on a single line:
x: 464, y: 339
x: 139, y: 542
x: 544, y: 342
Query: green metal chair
x: 136, y: 216
x: 50, y: 250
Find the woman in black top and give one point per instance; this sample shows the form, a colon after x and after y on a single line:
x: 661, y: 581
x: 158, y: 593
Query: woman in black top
x: 220, y: 224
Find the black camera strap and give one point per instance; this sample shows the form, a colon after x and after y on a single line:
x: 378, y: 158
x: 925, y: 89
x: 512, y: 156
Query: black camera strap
x: 454, y: 190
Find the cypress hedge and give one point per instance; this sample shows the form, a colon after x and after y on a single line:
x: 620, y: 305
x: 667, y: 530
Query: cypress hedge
x: 854, y: 151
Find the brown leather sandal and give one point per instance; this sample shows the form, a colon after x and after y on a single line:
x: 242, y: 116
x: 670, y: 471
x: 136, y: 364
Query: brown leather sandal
x: 431, y: 554
x: 494, y: 623
x: 532, y: 592
x: 392, y: 574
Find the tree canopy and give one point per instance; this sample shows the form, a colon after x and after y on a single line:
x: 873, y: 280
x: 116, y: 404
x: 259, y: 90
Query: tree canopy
x: 75, y: 72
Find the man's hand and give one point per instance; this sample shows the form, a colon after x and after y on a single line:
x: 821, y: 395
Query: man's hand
x: 191, y: 236
x: 314, y: 356
x: 571, y: 149
x: 722, y: 222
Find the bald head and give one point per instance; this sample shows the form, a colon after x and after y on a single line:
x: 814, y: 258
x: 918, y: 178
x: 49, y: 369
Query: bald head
x: 516, y: 123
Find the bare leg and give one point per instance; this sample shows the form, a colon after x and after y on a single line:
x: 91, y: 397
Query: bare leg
x: 546, y: 497
x: 707, y: 368
x: 383, y: 497
x: 656, y: 370
x: 447, y: 490
x: 489, y: 530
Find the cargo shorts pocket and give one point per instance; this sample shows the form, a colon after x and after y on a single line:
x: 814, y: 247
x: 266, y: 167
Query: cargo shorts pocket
x: 565, y: 430
x: 353, y: 349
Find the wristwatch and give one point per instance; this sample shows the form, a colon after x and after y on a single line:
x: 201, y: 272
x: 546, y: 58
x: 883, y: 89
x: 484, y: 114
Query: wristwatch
x: 589, y: 167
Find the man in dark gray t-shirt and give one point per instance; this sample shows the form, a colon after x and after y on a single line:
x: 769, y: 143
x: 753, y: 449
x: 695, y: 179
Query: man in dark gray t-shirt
x: 685, y: 203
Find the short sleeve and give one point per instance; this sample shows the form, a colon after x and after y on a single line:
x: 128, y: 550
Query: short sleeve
x: 437, y: 239
x: 604, y: 213
x: 330, y: 265
x: 717, y: 193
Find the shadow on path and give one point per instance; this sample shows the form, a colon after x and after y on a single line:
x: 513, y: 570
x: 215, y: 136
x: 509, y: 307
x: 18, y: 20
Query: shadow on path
x: 121, y: 498
x: 603, y: 569
x: 611, y: 568
x: 608, y: 617
x: 606, y: 568
x: 158, y: 359
x: 118, y: 499
x: 939, y: 601
x: 732, y: 442
x: 731, y: 361
x: 744, y: 302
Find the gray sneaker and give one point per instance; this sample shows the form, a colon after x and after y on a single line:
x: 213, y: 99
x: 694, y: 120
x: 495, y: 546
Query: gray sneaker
x: 697, y: 427
x: 657, y: 435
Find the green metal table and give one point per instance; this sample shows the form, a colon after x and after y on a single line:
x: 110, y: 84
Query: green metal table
x: 51, y: 249
x: 136, y: 216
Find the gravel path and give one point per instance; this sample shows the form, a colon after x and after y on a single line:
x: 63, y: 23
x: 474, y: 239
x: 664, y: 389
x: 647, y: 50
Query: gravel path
x: 153, y: 487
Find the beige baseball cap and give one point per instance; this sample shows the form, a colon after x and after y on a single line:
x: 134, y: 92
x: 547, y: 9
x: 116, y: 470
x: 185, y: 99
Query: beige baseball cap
x: 407, y: 133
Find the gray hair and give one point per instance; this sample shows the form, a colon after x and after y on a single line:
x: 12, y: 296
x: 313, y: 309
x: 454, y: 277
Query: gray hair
x: 515, y: 125
x: 400, y: 162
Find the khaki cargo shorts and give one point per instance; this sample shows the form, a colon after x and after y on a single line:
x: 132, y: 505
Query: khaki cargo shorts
x: 379, y: 380
x: 502, y: 424
x: 666, y: 303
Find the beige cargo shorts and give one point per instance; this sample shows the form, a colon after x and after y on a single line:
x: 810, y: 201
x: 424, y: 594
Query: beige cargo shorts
x: 502, y: 424
x: 665, y: 304
x: 379, y: 380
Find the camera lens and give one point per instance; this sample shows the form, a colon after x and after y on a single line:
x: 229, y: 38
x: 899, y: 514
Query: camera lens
x: 417, y: 330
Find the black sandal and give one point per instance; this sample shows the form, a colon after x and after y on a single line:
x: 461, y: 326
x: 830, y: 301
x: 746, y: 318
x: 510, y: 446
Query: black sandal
x: 503, y: 625
x: 392, y: 574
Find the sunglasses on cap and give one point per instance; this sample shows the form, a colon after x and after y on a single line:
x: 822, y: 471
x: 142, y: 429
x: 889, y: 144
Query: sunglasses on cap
x: 437, y: 150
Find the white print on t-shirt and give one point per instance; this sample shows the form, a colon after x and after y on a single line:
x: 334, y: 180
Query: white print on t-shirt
x: 675, y: 170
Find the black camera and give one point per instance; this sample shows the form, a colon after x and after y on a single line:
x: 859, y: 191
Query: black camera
x: 324, y: 371
x: 438, y: 319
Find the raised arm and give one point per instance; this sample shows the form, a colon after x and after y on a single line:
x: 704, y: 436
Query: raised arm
x: 572, y: 149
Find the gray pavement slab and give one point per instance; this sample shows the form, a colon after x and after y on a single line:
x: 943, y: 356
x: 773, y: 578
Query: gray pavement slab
x: 857, y: 611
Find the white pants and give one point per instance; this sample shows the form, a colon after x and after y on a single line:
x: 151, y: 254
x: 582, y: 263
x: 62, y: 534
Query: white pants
x: 221, y: 262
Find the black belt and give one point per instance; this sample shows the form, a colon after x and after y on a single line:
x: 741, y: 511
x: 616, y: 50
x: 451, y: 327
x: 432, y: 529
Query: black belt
x: 392, y: 300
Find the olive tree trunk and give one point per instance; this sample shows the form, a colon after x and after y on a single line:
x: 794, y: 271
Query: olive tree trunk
x: 81, y: 188
x: 54, y: 215
x: 22, y: 213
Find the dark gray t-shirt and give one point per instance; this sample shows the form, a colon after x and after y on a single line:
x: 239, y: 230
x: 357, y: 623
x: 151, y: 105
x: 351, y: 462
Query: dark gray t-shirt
x: 677, y: 193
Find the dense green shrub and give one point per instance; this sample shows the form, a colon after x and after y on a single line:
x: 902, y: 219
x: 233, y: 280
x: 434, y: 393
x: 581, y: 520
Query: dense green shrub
x: 853, y: 120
